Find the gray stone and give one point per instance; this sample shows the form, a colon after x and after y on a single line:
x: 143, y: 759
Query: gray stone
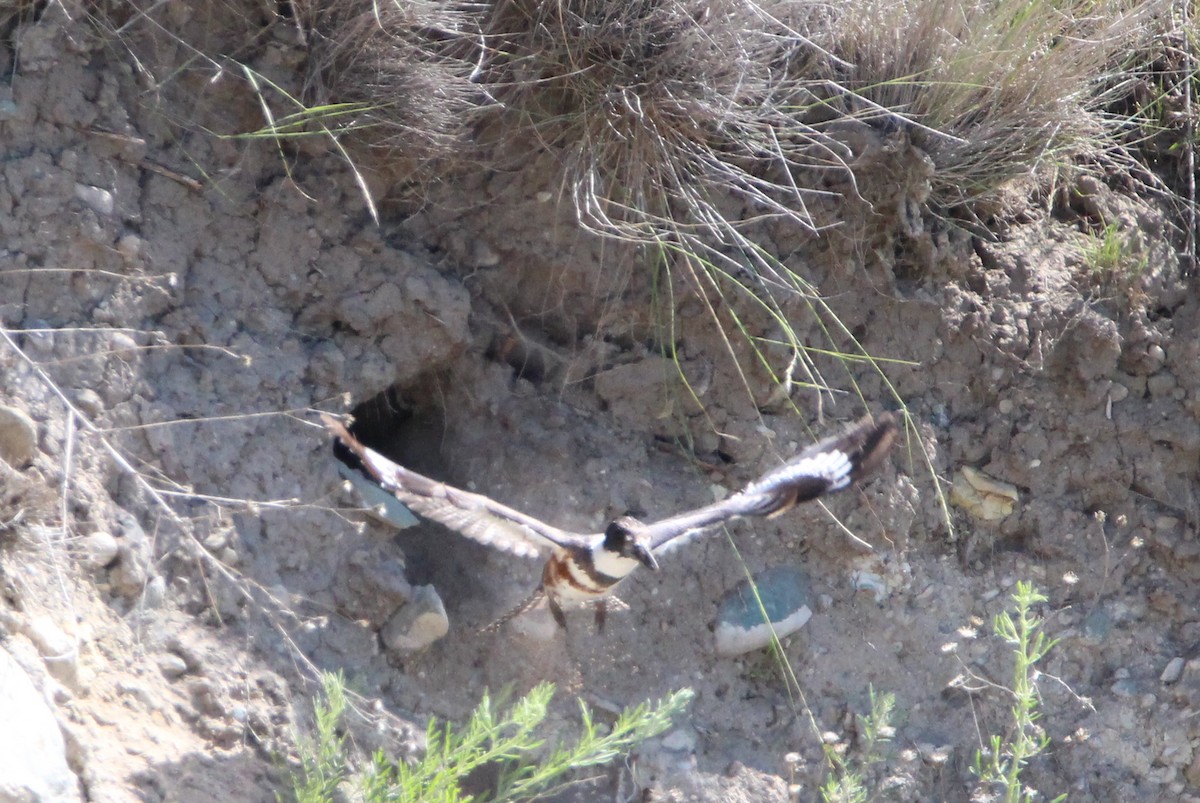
x: 18, y: 437
x: 784, y: 596
x: 1173, y: 670
x: 33, y: 760
x: 417, y: 624
x: 155, y: 593
x: 89, y: 403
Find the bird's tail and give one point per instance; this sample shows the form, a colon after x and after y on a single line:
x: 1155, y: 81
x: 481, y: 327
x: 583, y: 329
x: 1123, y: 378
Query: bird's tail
x: 526, y: 605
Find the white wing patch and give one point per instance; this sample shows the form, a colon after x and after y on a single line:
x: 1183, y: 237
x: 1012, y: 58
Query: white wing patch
x: 834, y: 467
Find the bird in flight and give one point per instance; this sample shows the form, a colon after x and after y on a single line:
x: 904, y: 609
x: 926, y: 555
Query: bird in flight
x: 585, y: 568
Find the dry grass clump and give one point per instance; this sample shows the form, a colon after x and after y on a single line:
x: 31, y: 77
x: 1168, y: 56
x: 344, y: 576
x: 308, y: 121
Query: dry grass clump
x: 1017, y: 84
x: 662, y: 111
x: 659, y: 108
x: 402, y: 68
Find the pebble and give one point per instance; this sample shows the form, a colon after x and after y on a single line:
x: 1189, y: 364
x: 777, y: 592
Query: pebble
x: 97, y: 199
x: 1118, y: 392
x: 784, y: 594
x: 1097, y: 626
x: 483, y: 255
x: 89, y: 403
x: 215, y: 542
x: 1005, y: 406
x: 18, y: 437
x: 155, y: 593
x: 171, y: 665
x: 418, y: 623
x: 1173, y: 671
x: 123, y: 346
x: 100, y: 548
x: 1125, y: 688
x: 983, y: 496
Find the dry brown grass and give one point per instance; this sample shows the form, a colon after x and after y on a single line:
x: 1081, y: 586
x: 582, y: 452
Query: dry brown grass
x: 404, y: 66
x: 1018, y: 85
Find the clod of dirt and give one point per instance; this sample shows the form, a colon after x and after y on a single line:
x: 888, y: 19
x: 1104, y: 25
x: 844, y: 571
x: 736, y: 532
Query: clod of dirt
x: 18, y: 437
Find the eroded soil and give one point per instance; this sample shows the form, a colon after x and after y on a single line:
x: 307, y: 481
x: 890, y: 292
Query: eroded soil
x: 194, y: 302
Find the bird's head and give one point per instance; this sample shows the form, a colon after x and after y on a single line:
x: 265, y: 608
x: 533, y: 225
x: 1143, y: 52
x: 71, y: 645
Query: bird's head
x: 623, y: 537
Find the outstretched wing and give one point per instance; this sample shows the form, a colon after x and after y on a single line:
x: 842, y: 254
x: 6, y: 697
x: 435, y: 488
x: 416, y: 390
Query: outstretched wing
x: 474, y: 515
x: 831, y: 465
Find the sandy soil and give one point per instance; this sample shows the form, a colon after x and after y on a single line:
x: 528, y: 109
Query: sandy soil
x: 202, y: 299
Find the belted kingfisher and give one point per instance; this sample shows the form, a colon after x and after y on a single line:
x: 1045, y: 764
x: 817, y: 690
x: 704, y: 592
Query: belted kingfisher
x: 586, y: 567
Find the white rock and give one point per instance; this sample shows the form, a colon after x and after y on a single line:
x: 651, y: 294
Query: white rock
x: 100, y: 549
x: 33, y: 760
x: 89, y: 402
x: 419, y: 623
x: 682, y: 740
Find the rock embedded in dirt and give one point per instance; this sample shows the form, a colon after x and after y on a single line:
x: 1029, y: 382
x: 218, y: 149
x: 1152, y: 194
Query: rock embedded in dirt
x: 98, y: 199
x: 982, y: 496
x: 418, y: 624
x: 782, y: 592
x: 18, y: 437
x: 171, y: 665
x: 33, y: 761
x: 100, y: 549
x: 57, y: 648
x: 1173, y: 671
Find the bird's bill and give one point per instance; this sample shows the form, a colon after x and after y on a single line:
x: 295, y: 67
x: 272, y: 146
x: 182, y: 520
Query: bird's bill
x: 646, y: 557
